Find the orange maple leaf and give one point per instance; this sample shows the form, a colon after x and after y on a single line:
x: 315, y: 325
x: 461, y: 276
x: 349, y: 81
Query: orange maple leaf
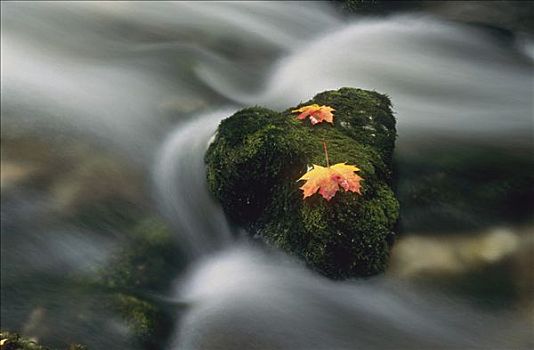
x: 316, y: 113
x: 327, y: 180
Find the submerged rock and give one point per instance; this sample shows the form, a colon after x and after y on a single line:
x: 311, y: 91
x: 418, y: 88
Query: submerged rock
x: 144, y: 267
x: 258, y: 155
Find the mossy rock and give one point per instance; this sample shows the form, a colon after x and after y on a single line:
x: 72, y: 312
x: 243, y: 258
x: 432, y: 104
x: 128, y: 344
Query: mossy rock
x: 143, y: 268
x: 14, y: 341
x: 258, y: 154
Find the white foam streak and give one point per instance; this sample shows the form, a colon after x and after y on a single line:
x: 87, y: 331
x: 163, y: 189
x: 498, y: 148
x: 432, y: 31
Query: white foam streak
x: 440, y: 76
x: 246, y: 299
x: 180, y: 181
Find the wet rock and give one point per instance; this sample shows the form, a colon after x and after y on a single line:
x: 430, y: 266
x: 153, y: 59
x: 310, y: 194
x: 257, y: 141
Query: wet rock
x: 502, y: 17
x: 492, y: 267
x: 14, y: 173
x: 144, y: 267
x: 80, y: 182
x: 448, y: 184
x: 419, y: 255
x: 13, y: 341
x: 258, y: 155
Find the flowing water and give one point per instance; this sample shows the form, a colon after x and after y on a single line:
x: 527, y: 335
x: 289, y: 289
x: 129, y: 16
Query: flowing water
x: 149, y: 83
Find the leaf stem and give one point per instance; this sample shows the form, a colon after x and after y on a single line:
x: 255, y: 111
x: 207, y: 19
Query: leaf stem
x: 326, y: 154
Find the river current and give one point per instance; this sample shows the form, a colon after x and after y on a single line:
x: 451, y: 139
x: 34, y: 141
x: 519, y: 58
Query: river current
x: 151, y: 82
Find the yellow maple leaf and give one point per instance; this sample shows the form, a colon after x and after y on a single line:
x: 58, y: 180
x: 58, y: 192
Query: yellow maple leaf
x: 317, y: 113
x: 327, y: 180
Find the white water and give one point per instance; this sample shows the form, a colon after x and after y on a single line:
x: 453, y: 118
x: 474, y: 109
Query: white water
x: 247, y: 299
x: 180, y: 182
x: 440, y: 77
x: 122, y: 74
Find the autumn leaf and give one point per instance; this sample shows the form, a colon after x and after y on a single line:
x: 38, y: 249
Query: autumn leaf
x: 327, y: 180
x: 317, y: 113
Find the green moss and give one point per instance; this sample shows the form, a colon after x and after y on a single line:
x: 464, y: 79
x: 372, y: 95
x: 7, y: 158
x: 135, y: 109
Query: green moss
x: 112, y: 212
x: 252, y: 151
x: 13, y: 341
x: 147, y: 261
x: 258, y: 154
x: 146, y: 265
x: 141, y: 316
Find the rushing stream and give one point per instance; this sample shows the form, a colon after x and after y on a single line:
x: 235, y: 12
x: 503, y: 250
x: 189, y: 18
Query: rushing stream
x: 149, y: 83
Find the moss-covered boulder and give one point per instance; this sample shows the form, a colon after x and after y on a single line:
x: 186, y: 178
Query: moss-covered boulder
x: 258, y: 154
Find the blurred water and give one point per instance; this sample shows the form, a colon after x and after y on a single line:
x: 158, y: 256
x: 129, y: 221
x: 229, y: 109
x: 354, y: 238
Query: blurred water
x: 151, y: 81
x: 75, y: 60
x: 179, y: 173
x: 441, y: 77
x: 246, y: 299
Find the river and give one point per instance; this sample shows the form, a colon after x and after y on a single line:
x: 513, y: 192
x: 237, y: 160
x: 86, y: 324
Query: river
x: 149, y: 83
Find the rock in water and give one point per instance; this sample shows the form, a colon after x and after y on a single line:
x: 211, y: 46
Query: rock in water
x: 258, y: 154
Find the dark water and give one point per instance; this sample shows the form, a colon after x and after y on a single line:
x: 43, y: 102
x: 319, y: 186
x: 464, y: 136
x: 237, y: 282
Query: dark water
x: 107, y: 109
